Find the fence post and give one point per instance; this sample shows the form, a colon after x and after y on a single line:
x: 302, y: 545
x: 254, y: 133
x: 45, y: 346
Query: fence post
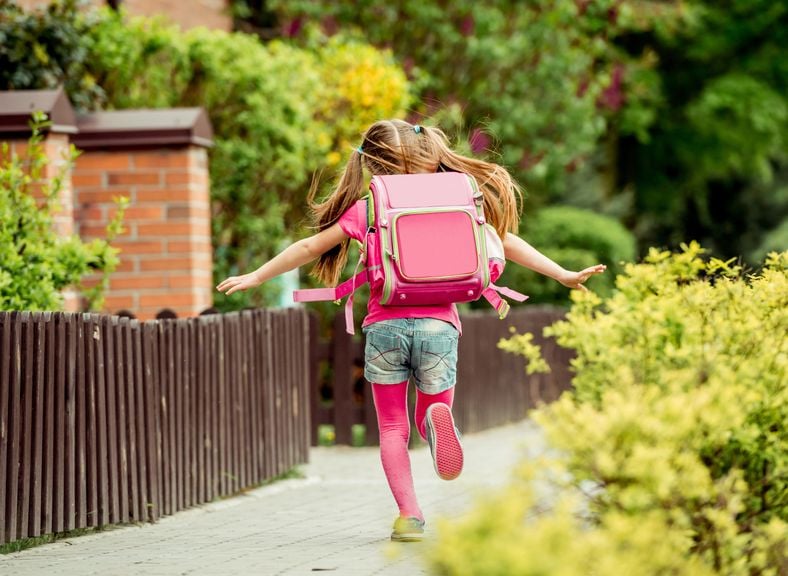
x: 342, y: 381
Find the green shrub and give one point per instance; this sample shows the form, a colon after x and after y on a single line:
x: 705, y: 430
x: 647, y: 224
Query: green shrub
x: 138, y: 62
x: 35, y: 263
x: 575, y: 239
x: 669, y: 457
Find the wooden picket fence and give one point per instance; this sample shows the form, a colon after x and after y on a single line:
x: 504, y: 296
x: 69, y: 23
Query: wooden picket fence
x: 107, y: 420
x: 492, y: 386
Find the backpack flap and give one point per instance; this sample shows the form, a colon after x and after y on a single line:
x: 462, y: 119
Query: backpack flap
x: 430, y: 245
x: 431, y: 234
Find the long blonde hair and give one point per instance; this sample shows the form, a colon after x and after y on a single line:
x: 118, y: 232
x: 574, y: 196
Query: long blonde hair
x: 396, y: 147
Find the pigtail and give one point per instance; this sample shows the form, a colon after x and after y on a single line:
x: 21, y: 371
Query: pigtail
x: 330, y: 264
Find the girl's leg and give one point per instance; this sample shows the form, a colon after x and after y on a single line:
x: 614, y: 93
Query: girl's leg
x: 391, y: 405
x: 423, y: 401
x: 436, y: 425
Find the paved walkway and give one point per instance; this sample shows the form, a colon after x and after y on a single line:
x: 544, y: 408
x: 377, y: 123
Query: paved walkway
x: 336, y: 519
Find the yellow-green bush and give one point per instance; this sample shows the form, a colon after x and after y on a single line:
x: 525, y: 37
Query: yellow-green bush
x: 669, y: 457
x: 359, y: 85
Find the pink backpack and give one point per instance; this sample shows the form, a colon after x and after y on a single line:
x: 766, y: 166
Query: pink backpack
x: 427, y: 242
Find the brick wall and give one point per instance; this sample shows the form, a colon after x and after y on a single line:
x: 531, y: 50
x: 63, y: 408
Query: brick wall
x: 208, y: 13
x: 187, y: 14
x: 166, y: 257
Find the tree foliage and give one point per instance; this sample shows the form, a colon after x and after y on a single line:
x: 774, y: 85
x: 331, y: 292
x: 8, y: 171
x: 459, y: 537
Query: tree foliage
x: 47, y: 49
x: 534, y: 107
x: 668, y: 115
x: 710, y: 166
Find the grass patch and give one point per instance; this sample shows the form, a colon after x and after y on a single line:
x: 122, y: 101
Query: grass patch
x: 289, y: 475
x: 25, y: 543
x: 358, y: 435
x: 326, y: 435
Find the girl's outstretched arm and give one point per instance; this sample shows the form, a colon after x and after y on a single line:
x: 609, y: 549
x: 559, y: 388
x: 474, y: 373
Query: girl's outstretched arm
x: 295, y: 255
x: 521, y: 252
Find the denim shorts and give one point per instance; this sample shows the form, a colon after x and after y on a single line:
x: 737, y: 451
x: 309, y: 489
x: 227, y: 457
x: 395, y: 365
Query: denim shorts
x: 423, y: 347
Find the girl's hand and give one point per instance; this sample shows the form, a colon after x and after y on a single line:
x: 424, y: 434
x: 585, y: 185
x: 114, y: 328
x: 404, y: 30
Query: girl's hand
x: 236, y: 283
x: 576, y: 279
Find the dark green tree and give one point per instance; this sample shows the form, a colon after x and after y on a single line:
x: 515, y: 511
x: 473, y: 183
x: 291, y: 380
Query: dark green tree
x: 713, y: 166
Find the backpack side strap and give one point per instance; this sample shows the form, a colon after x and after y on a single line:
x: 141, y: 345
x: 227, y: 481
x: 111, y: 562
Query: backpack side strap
x: 493, y: 295
x: 337, y: 293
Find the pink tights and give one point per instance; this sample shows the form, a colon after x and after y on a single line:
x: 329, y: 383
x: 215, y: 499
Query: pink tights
x: 391, y: 405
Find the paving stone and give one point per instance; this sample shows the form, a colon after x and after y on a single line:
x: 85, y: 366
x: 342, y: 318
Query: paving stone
x: 335, y: 520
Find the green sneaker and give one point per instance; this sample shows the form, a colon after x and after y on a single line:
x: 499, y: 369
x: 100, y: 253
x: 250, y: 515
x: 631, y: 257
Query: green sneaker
x: 408, y: 529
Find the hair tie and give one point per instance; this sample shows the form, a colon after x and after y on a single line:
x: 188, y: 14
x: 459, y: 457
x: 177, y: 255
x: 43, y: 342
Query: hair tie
x: 417, y: 129
x: 359, y: 150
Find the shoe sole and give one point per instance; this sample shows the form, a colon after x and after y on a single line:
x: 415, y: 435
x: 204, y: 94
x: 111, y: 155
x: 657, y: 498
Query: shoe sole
x: 407, y: 537
x: 447, y: 450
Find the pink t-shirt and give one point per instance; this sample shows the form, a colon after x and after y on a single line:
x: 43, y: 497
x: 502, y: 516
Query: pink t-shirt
x: 354, y: 224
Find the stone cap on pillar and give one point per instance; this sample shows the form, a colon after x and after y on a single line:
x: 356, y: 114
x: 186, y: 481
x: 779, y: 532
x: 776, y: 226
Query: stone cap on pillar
x: 143, y: 128
x: 17, y: 107
x: 165, y: 127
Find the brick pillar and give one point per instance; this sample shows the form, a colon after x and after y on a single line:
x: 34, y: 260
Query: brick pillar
x: 165, y: 251
x: 166, y: 247
x: 56, y: 147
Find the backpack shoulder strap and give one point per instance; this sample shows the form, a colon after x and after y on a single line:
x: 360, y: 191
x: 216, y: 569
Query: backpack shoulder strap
x: 370, y: 210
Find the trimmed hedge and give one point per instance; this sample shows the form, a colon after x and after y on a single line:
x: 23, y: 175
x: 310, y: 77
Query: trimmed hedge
x: 576, y: 239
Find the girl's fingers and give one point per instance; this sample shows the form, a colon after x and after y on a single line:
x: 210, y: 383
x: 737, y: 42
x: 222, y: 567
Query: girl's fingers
x: 228, y: 283
x: 224, y: 283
